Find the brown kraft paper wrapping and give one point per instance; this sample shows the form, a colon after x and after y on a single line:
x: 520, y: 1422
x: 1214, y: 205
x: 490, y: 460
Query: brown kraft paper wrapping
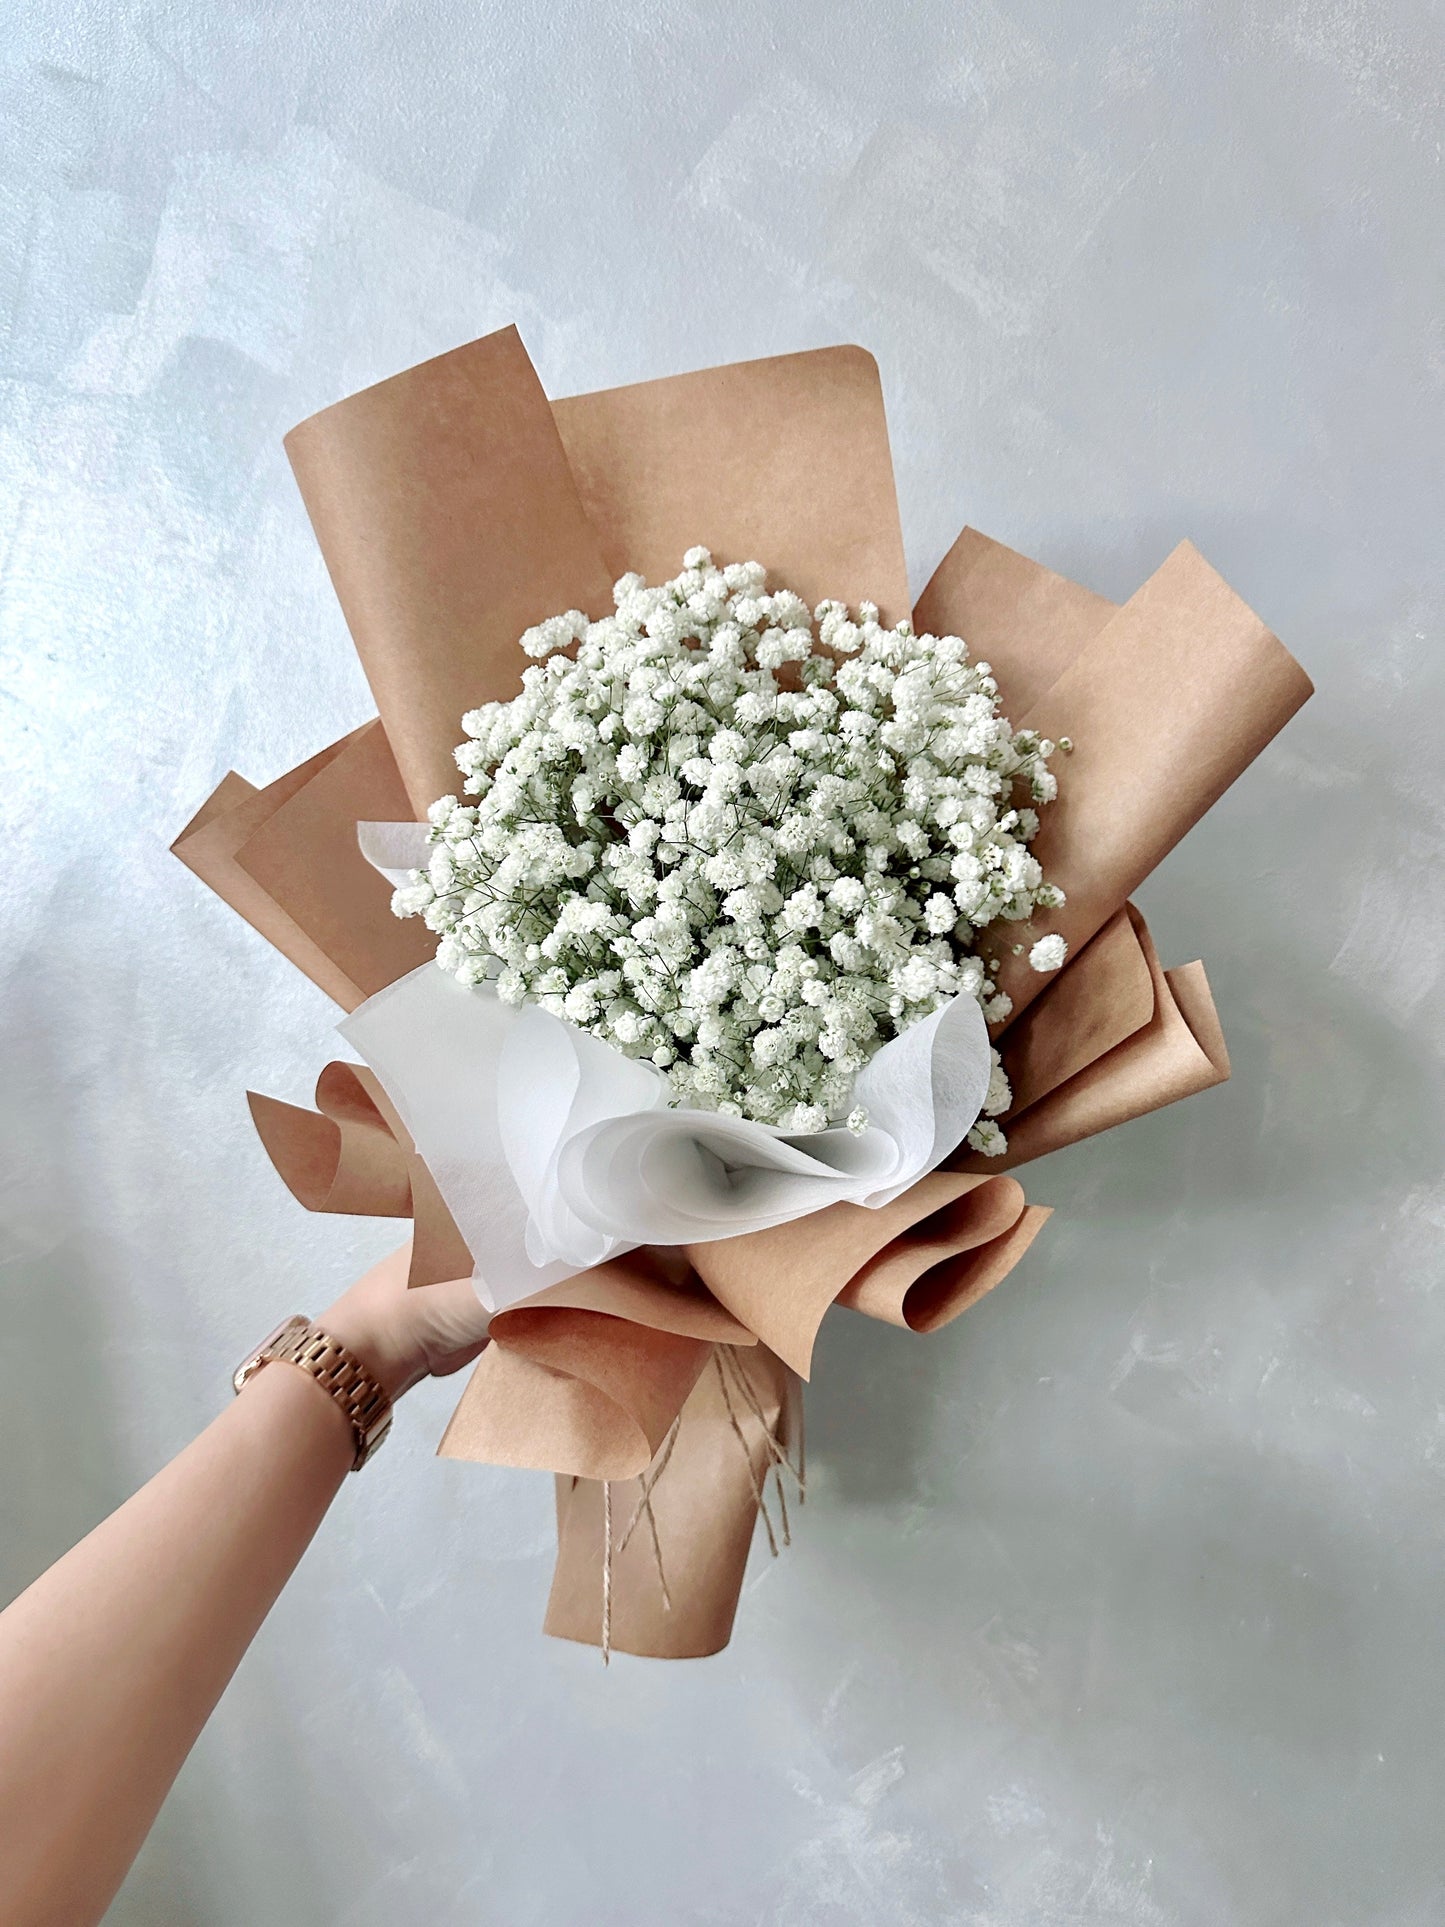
x: 1027, y: 623
x: 307, y: 859
x: 286, y: 859
x: 450, y: 519
x: 450, y: 522
x: 209, y: 846
x: 343, y: 1156
x: 676, y: 1580
x: 1166, y: 702
x: 783, y: 461
x: 586, y: 1377
x: 1179, y: 1052
x: 589, y: 1376
x: 1105, y: 995
x: 780, y: 1282
x: 352, y: 1154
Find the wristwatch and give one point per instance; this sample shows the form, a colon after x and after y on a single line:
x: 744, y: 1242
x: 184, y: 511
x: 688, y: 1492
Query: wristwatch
x: 339, y: 1373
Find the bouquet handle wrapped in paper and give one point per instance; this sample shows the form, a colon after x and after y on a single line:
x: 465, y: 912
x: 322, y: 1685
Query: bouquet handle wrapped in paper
x: 455, y: 506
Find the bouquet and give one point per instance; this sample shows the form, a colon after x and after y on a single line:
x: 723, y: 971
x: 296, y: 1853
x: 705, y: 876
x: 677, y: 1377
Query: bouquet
x: 717, y: 931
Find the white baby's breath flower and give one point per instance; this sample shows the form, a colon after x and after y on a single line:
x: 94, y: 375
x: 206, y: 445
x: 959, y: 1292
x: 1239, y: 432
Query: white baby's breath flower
x: 412, y: 898
x: 747, y: 860
x: 1048, y: 953
x: 987, y: 1138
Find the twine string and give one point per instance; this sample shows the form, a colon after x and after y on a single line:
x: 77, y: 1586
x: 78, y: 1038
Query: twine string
x: 776, y: 1450
x: 802, y: 1405
x: 731, y: 1375
x: 745, y: 1385
x: 759, y: 1493
x: 778, y: 1456
x: 644, y: 1509
x: 607, y: 1572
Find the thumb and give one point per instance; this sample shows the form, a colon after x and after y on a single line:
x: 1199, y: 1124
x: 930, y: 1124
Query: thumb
x: 451, y: 1325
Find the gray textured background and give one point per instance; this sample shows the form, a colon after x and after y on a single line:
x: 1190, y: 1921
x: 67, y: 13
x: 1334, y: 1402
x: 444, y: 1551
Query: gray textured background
x: 1119, y: 1602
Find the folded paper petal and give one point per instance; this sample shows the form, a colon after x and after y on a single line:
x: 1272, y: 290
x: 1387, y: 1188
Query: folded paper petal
x: 209, y: 844
x: 450, y: 522
x: 353, y: 1166
x: 1105, y: 994
x: 306, y: 858
x: 353, y: 1154
x: 286, y: 859
x: 780, y: 1282
x: 1027, y: 623
x: 1167, y: 700
x: 927, y: 1278
x: 784, y: 461
x: 1178, y: 1052
x: 1166, y: 706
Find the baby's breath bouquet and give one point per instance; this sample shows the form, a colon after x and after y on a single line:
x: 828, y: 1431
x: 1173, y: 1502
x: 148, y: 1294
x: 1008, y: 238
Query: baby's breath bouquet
x: 717, y: 982
x: 744, y: 839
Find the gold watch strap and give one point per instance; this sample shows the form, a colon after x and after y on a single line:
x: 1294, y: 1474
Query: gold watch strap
x: 339, y: 1373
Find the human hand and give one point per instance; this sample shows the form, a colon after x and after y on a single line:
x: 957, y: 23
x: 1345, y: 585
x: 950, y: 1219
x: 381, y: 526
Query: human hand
x: 405, y: 1335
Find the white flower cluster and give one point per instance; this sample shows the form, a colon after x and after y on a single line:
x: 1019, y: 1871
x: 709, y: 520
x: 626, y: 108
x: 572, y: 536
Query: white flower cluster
x: 750, y: 859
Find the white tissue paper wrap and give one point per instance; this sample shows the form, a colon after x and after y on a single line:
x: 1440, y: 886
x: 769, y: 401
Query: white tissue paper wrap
x: 553, y: 1151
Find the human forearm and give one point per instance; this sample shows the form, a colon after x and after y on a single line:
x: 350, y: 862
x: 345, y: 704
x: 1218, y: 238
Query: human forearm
x: 113, y: 1660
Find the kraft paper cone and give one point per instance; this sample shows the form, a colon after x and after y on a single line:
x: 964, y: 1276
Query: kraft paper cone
x: 1105, y: 995
x: 927, y: 1275
x: 924, y: 1291
x: 352, y: 1155
x: 450, y: 523
x: 352, y: 1165
x: 1166, y: 706
x: 208, y: 847
x: 704, y: 1511
x: 1179, y: 1052
x: 780, y: 1282
x: 1027, y: 623
x: 586, y: 1377
x: 306, y: 858
x: 783, y: 461
x: 1194, y: 1002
